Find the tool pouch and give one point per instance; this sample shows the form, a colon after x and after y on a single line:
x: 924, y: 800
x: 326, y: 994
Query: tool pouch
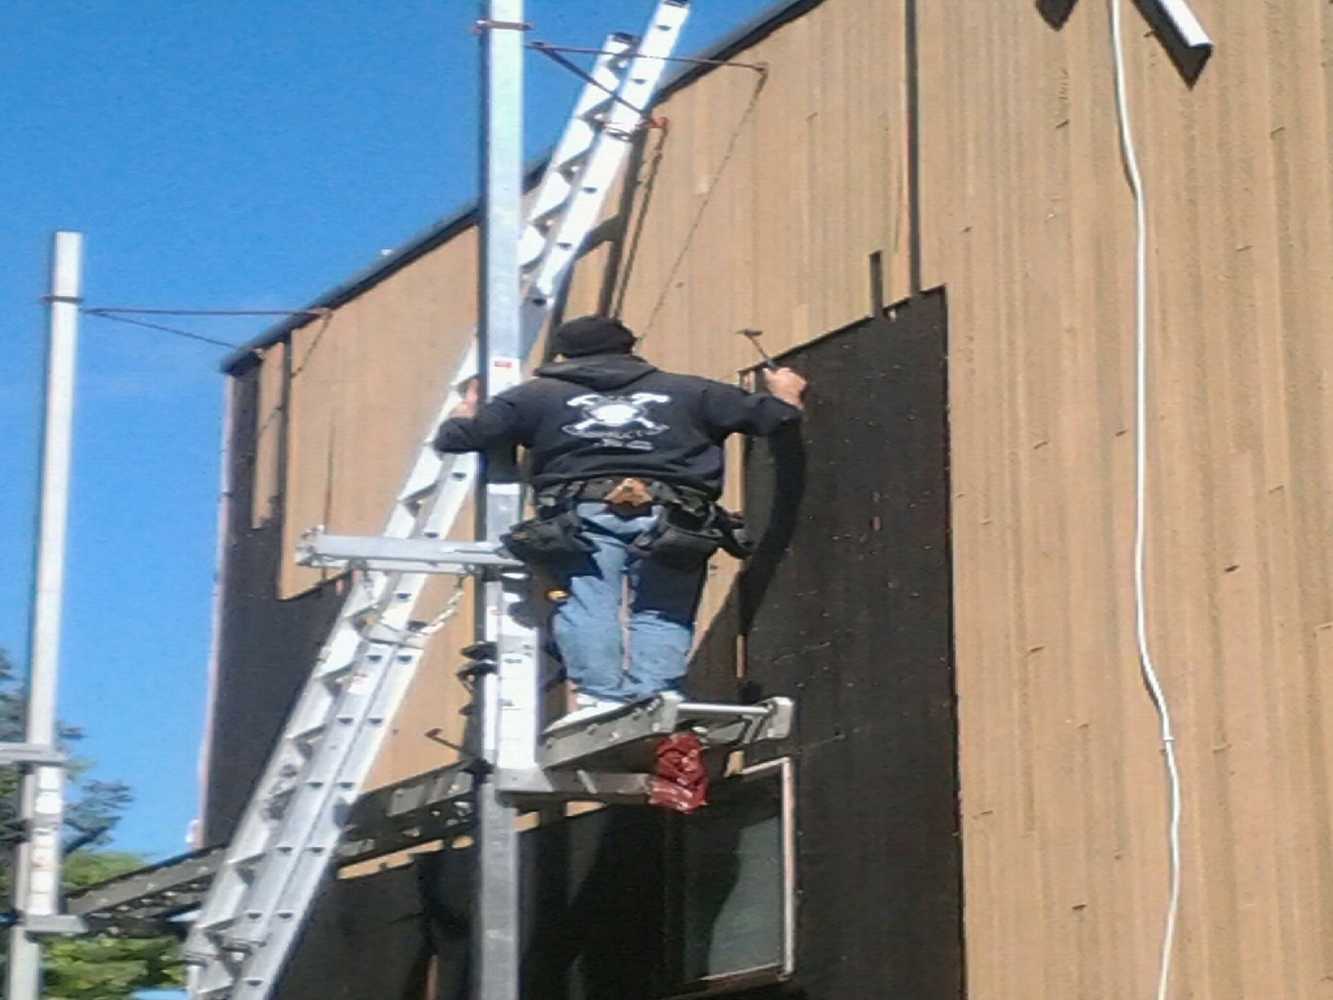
x: 678, y: 540
x: 736, y: 540
x: 549, y: 539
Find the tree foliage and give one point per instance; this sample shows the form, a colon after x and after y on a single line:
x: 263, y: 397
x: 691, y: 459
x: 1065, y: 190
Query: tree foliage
x: 107, y: 968
x: 89, y: 968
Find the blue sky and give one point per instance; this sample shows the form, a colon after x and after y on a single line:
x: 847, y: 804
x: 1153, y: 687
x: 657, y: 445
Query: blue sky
x: 231, y: 155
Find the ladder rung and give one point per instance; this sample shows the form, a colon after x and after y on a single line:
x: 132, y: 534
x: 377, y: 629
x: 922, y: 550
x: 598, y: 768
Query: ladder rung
x: 245, y: 864
x: 306, y: 736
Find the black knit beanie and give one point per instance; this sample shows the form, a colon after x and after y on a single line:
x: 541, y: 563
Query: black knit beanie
x: 592, y: 335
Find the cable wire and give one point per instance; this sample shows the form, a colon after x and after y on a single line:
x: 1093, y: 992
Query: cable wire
x: 138, y: 311
x: 689, y: 60
x: 1146, y: 666
x: 162, y: 328
x: 126, y: 314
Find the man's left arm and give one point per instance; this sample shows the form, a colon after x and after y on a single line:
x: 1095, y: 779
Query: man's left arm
x: 733, y: 410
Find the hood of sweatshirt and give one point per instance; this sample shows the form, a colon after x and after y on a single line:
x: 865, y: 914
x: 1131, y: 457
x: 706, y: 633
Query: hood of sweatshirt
x: 602, y: 372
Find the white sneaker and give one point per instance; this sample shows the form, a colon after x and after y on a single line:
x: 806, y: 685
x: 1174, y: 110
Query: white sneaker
x: 588, y: 708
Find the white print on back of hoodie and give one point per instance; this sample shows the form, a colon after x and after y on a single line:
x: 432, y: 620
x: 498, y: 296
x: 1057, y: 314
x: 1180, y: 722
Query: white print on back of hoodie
x: 618, y: 421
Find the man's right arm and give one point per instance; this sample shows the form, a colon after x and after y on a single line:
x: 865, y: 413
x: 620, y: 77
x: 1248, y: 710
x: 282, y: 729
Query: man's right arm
x: 477, y: 426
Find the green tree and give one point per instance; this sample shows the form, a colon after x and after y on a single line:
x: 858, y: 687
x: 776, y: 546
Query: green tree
x: 88, y: 968
x: 107, y: 968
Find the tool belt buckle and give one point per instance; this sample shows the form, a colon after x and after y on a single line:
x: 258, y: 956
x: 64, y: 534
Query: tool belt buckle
x: 630, y: 497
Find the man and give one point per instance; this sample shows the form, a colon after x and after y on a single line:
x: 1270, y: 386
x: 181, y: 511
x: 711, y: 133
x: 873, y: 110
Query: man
x: 626, y: 463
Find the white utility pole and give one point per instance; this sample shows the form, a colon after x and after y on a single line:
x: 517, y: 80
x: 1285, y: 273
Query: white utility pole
x: 37, y: 881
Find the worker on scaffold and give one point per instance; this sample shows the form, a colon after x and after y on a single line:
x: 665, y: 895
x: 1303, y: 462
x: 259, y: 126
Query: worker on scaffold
x: 626, y: 465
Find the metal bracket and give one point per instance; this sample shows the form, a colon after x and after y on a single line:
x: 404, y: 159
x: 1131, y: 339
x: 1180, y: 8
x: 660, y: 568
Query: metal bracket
x: 486, y: 24
x: 387, y: 634
x: 718, y: 726
x: 62, y: 924
x: 401, y: 555
x: 535, y: 787
x: 433, y: 806
x: 31, y: 754
x: 149, y: 895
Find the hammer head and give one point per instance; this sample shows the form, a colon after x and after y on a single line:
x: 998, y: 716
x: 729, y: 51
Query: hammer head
x: 753, y: 337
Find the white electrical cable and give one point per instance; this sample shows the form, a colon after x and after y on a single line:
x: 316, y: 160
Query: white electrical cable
x: 1140, y: 492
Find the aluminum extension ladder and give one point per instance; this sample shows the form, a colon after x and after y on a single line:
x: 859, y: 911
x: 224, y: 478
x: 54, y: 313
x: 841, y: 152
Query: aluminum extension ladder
x: 284, y: 843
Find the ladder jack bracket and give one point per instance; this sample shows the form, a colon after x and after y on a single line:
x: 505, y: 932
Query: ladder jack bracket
x: 434, y: 806
x: 142, y: 902
x: 628, y: 738
x: 401, y: 555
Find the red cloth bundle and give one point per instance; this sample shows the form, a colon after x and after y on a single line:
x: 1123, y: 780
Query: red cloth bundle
x: 680, y: 779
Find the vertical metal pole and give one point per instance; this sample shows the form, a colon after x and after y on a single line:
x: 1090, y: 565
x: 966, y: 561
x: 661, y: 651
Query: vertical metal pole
x: 37, y: 879
x: 508, y: 697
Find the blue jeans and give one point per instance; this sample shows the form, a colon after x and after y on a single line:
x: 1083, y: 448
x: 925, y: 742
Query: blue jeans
x: 590, y: 627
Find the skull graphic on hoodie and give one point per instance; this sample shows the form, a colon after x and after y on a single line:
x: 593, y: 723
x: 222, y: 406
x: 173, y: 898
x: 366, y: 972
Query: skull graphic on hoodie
x: 618, y: 421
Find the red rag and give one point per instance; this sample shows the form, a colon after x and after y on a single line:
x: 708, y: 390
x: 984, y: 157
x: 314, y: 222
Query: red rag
x: 680, y: 778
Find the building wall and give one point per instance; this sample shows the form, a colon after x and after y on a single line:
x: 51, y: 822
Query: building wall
x: 762, y: 207
x: 1028, y: 220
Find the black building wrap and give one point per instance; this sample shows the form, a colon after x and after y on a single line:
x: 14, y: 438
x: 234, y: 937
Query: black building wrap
x: 848, y: 608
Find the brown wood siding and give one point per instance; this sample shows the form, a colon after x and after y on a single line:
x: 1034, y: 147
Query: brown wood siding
x: 1028, y: 220
x: 768, y: 200
x: 366, y: 384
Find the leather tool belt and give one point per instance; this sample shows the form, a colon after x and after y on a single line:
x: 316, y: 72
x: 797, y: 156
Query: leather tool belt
x: 689, y: 528
x: 630, y: 492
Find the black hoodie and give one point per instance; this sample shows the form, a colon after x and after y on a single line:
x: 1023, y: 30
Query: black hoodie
x: 617, y: 415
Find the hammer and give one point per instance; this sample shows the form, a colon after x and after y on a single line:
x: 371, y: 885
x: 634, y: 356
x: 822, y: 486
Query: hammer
x: 753, y: 337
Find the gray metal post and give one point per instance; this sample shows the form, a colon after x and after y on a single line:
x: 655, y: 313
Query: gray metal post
x: 37, y: 880
x: 508, y: 697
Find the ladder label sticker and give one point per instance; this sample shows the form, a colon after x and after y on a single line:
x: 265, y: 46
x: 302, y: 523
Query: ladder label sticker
x: 361, y: 682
